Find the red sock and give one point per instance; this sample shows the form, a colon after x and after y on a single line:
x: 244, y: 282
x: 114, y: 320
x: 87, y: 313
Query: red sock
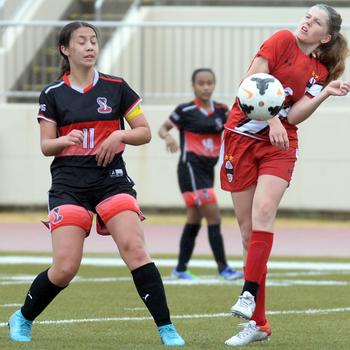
x: 259, y: 315
x: 258, y: 254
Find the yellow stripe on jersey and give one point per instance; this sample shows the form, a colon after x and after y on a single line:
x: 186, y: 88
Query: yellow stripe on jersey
x: 134, y: 113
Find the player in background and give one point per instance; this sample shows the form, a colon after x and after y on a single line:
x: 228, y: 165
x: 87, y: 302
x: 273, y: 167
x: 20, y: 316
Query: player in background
x: 258, y: 157
x: 81, y: 120
x: 200, y: 124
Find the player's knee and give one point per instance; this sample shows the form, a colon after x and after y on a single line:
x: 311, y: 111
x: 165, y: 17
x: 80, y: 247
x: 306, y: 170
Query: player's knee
x: 63, y: 273
x: 264, y: 212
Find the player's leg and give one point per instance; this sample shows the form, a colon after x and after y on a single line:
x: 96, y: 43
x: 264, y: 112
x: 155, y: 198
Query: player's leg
x: 187, y: 243
x: 121, y: 215
x: 69, y: 225
x: 187, y: 183
x: 210, y: 210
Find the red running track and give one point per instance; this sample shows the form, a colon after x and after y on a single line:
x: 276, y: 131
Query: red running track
x: 164, y: 239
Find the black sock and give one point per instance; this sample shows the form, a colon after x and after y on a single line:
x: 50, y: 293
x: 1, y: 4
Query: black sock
x: 40, y: 294
x: 150, y: 287
x: 187, y: 241
x: 217, y: 246
x: 251, y: 287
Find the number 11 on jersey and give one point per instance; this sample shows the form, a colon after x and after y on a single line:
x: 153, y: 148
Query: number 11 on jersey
x: 88, y: 138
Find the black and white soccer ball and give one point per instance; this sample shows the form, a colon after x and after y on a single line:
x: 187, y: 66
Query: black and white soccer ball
x: 260, y: 96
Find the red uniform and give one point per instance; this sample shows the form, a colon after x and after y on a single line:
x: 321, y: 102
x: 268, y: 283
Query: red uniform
x: 300, y: 75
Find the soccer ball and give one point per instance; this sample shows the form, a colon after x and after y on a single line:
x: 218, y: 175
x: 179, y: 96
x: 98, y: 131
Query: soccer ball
x: 260, y: 96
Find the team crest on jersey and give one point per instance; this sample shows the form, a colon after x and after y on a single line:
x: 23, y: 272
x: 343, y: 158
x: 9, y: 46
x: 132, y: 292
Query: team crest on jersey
x: 57, y: 216
x: 104, y: 108
x: 229, y: 170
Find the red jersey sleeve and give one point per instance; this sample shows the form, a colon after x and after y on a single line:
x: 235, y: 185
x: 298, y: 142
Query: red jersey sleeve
x: 317, y: 81
x: 274, y: 48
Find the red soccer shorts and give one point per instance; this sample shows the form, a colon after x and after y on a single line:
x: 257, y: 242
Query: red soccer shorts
x: 114, y: 205
x: 200, y: 197
x: 244, y: 159
x: 70, y: 215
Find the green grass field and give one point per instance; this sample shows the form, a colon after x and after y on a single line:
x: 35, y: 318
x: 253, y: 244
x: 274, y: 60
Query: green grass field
x: 308, y: 308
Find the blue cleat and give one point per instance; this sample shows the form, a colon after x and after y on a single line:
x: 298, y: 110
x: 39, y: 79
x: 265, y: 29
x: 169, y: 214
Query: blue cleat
x: 20, y: 328
x: 230, y: 274
x: 183, y: 275
x: 169, y: 336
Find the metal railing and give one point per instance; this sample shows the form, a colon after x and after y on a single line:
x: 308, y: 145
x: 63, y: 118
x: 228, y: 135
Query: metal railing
x: 156, y: 58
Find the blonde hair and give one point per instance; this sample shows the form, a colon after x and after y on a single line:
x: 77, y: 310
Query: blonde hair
x: 334, y: 53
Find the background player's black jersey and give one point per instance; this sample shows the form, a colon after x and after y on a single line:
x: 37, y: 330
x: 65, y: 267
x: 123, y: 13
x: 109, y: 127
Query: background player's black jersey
x: 200, y: 131
x: 98, y: 110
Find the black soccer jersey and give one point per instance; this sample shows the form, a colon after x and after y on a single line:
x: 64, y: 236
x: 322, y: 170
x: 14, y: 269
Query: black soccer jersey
x: 98, y: 110
x: 200, y: 131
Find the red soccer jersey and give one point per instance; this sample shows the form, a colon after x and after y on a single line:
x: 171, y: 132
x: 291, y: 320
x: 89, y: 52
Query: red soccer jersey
x: 299, y: 74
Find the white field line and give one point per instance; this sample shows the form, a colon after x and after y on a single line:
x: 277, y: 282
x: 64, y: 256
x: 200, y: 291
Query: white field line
x: 201, y: 263
x: 203, y: 280
x: 219, y: 315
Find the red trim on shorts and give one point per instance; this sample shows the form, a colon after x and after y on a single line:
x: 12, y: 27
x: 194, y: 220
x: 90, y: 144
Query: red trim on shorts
x: 116, y: 204
x: 70, y: 215
x: 200, y: 197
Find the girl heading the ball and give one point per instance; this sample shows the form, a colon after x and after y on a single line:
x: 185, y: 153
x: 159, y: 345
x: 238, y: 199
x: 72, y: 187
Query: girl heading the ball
x: 258, y: 157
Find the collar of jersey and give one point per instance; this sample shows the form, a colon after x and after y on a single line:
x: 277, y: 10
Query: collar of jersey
x: 203, y: 110
x: 76, y: 88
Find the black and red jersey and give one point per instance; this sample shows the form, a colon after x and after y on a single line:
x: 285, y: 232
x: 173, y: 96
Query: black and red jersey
x: 200, y: 130
x: 299, y: 74
x: 98, y: 110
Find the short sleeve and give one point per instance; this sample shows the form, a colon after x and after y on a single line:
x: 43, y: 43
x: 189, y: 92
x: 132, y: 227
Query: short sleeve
x: 47, y: 109
x: 274, y: 48
x: 129, y: 99
x: 176, y: 117
x: 317, y: 81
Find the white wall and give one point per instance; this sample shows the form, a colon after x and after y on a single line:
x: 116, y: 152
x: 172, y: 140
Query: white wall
x: 320, y: 180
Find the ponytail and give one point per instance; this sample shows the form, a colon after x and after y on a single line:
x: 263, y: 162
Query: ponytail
x: 334, y: 53
x: 333, y: 56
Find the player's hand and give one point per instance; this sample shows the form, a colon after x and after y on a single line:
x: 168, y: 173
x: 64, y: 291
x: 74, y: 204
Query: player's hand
x: 74, y: 137
x: 278, y: 134
x: 171, y: 144
x: 109, y: 148
x: 337, y: 88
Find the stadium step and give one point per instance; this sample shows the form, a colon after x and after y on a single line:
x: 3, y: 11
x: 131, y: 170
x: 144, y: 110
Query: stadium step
x: 45, y: 66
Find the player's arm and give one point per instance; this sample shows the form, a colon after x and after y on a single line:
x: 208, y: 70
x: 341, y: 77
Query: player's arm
x: 51, y: 145
x: 139, y: 134
x: 163, y: 132
x: 278, y: 134
x: 259, y: 65
x: 302, y: 109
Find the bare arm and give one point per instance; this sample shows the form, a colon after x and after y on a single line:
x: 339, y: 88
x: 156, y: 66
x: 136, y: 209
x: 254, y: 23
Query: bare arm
x: 163, y: 132
x: 51, y: 145
x: 303, y: 109
x: 139, y: 134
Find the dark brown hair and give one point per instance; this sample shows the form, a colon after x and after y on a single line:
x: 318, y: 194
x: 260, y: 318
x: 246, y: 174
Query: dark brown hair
x: 334, y: 53
x: 64, y: 39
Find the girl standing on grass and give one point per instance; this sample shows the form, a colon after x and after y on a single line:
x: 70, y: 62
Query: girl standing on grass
x: 200, y: 124
x: 259, y: 156
x: 82, y: 118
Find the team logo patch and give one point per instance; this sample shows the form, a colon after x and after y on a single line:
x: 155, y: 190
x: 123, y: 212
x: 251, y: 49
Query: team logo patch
x: 104, y: 108
x: 205, y: 194
x: 57, y: 216
x: 229, y: 170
